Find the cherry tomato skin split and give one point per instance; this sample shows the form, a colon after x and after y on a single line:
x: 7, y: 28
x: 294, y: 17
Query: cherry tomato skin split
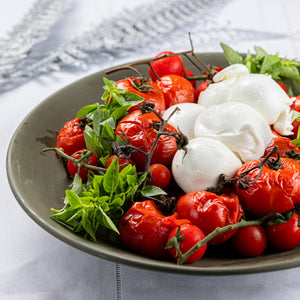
x: 167, y: 66
x: 209, y: 211
x: 144, y: 230
x: 139, y: 130
x: 122, y: 161
x: 83, y: 173
x: 161, y: 176
x: 176, y: 89
x: 71, y: 138
x: 250, y: 241
x: 155, y: 95
x: 192, y: 235
x: 273, y: 191
x: 284, y: 236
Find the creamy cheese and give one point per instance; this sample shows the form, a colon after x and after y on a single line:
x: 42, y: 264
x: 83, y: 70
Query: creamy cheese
x: 261, y: 92
x: 201, y: 165
x: 238, y: 126
x: 184, y: 117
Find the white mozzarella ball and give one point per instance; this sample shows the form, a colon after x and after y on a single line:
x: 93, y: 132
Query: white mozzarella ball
x: 201, y: 165
x: 184, y: 117
x: 238, y: 126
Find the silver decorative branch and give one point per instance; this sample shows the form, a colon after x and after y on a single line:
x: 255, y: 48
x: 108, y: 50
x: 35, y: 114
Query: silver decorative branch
x: 160, y: 25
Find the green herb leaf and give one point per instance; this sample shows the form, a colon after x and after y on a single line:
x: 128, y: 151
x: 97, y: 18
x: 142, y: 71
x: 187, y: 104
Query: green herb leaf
x: 151, y: 190
x: 232, y: 56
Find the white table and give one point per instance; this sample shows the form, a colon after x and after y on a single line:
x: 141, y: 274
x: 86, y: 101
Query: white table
x: 34, y: 264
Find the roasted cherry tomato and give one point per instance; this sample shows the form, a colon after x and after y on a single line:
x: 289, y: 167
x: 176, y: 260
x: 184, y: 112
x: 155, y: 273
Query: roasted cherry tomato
x: 250, y: 241
x: 202, y: 87
x: 273, y: 191
x: 284, y: 236
x: 160, y: 175
x: 71, y: 137
x: 176, y: 89
x: 144, y: 230
x: 167, y: 65
x: 295, y: 106
x: 140, y: 132
x: 121, y: 160
x: 139, y: 87
x: 189, y: 73
x: 83, y: 172
x: 283, y: 86
x: 284, y: 145
x: 205, y: 83
x: 192, y: 236
x: 209, y: 211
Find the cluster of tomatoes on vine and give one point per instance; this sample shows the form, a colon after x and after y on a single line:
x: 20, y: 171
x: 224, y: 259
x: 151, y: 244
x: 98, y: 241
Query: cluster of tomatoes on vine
x: 180, y: 230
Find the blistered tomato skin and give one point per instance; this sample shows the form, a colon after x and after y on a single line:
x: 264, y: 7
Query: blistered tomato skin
x: 138, y: 128
x: 71, y: 138
x: 251, y: 241
x: 155, y: 95
x: 176, y: 89
x: 284, y: 236
x: 273, y: 191
x: 192, y: 236
x: 284, y: 145
x: 209, y: 211
x: 144, y: 230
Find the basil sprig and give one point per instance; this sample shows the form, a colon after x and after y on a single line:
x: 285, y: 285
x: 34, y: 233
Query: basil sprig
x: 101, y: 202
x: 264, y: 63
x: 105, y: 117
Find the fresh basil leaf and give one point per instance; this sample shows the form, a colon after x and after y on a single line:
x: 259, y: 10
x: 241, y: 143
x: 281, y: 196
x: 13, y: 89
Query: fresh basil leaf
x: 232, y: 56
x: 151, y: 190
x: 87, y: 110
x: 106, y: 221
x: 111, y: 177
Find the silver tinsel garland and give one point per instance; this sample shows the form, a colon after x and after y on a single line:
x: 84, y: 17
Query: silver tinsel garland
x: 162, y: 24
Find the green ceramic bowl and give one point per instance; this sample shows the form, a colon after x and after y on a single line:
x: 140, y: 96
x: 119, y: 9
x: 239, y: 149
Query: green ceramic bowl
x: 38, y: 182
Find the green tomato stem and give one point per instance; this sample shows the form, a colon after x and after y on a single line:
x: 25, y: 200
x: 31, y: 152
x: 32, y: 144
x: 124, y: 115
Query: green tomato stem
x: 218, y: 230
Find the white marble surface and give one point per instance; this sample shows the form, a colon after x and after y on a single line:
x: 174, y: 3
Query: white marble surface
x: 34, y: 264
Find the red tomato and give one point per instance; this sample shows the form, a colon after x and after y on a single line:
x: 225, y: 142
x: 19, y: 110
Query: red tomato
x: 121, y: 160
x: 209, y: 211
x: 189, y: 73
x: 161, y: 176
x: 283, y: 86
x: 202, y: 87
x: 176, y: 89
x: 155, y: 95
x: 166, y: 66
x: 71, y: 137
x: 192, y: 236
x: 295, y: 106
x: 250, y: 241
x: 139, y: 130
x: 144, y: 230
x: 284, y: 145
x: 83, y: 172
x: 273, y: 191
x: 284, y: 236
